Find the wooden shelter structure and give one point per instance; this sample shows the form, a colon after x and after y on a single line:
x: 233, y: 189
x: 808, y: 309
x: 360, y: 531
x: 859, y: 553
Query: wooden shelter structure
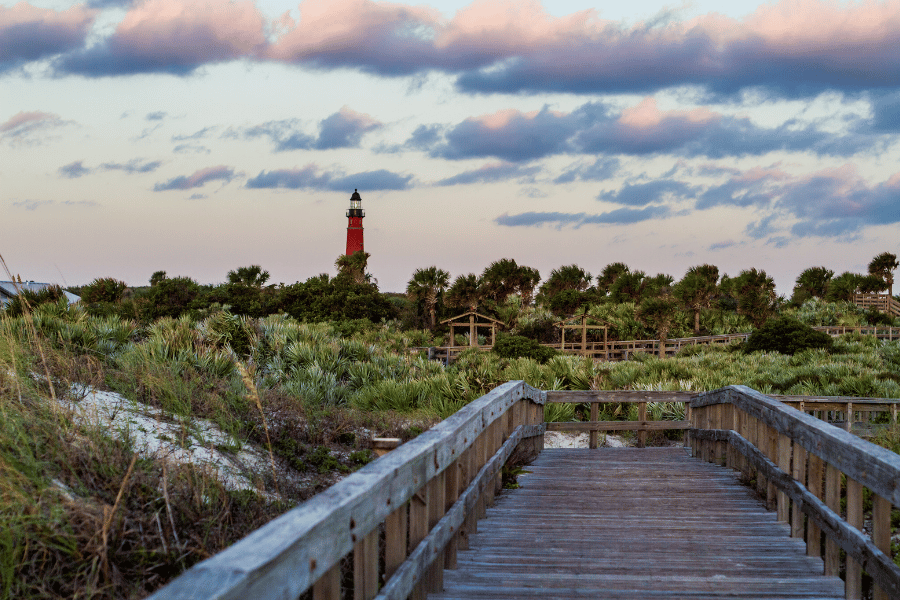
x: 472, y: 325
x: 583, y: 326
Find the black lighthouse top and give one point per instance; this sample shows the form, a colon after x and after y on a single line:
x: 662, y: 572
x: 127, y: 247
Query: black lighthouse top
x: 356, y: 205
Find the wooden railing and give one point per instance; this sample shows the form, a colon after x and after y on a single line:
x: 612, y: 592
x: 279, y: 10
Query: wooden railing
x: 414, y: 506
x: 597, y: 397
x: 798, y: 462
x: 619, y: 350
x: 881, y: 302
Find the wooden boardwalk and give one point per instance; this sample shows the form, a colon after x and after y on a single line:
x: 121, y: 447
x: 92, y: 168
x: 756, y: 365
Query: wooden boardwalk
x: 633, y: 523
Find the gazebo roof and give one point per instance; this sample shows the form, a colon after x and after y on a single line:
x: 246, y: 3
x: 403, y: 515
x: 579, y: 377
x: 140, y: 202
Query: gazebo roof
x: 472, y: 312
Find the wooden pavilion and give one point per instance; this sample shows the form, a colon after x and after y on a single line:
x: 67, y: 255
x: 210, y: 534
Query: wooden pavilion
x: 582, y: 325
x: 462, y: 321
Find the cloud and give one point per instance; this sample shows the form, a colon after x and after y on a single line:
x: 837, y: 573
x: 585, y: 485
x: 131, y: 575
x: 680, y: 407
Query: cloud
x: 197, y: 179
x: 28, y: 33
x: 25, y: 127
x: 786, y: 49
x: 137, y: 165
x: 156, y: 116
x: 77, y: 169
x: 32, y: 204
x: 508, y: 134
x: 601, y: 169
x: 492, y: 172
x: 644, y: 129
x: 621, y: 216
x: 722, y: 245
x: 763, y: 228
x: 886, y: 113
x: 838, y: 202
x: 343, y: 129
x: 74, y: 170
x: 197, y: 135
x: 641, y: 194
x: 190, y: 148
x: 754, y: 187
x: 172, y: 36
x: 311, y: 177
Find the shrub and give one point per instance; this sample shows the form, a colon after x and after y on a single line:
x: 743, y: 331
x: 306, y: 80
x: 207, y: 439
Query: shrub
x: 786, y: 335
x: 517, y: 346
x: 104, y: 289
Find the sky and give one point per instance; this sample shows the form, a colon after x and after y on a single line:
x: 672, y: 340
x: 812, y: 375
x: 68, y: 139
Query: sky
x: 199, y: 136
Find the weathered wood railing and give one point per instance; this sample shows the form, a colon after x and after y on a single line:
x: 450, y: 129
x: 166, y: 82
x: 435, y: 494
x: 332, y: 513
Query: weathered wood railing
x: 881, y: 302
x: 798, y: 462
x: 414, y: 506
x: 845, y: 411
x: 619, y: 350
x: 597, y: 397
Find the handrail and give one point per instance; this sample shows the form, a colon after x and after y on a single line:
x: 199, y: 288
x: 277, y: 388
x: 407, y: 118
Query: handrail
x: 304, y: 547
x: 596, y: 397
x: 797, y: 460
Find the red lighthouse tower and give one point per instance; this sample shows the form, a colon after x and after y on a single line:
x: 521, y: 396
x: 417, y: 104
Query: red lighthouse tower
x: 355, y: 216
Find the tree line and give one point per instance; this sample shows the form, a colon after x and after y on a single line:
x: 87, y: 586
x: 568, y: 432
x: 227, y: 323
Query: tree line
x: 352, y: 294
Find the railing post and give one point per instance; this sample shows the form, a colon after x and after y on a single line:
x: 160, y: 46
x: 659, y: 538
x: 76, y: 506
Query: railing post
x: 784, y: 463
x: 853, y: 576
x: 451, y: 486
x: 881, y: 533
x: 798, y: 472
x: 418, y: 529
x: 436, y: 507
x: 642, y: 417
x: 833, y: 501
x: 813, y: 533
x: 365, y: 567
x: 593, y: 435
x: 395, y: 530
x: 328, y: 587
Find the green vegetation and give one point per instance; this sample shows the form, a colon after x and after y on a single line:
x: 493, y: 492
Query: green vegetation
x: 308, y: 372
x: 787, y: 335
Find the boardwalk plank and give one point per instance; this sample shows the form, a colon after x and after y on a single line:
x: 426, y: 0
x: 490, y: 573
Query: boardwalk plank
x: 627, y: 523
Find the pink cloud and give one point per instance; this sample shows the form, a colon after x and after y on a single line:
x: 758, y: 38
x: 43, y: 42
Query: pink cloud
x: 351, y: 30
x: 28, y: 32
x: 191, y: 30
x: 24, y: 126
x: 647, y: 115
x: 197, y: 179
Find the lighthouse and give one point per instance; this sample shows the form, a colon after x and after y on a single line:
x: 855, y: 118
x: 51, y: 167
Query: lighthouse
x: 355, y: 216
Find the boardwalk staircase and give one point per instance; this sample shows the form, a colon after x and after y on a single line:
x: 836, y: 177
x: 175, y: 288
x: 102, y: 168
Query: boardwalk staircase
x: 427, y: 519
x: 881, y: 302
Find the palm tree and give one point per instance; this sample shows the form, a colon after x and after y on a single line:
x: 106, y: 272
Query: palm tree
x: 697, y: 290
x: 466, y: 292
x: 658, y: 313
x: 426, y: 284
x: 504, y: 277
x: 353, y: 266
x: 252, y: 276
x: 609, y: 275
x: 628, y: 287
x: 568, y: 277
x: 755, y: 294
x: 884, y: 266
x: 812, y: 283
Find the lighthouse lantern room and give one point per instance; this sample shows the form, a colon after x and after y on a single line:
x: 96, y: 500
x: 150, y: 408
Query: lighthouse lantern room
x: 355, y: 216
